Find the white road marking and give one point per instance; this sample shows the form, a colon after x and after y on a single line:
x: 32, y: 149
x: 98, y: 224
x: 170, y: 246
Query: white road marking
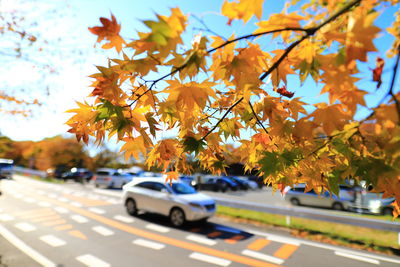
x: 97, y: 210
x: 25, y: 227
x: 52, y: 195
x: 17, y: 195
x: 18, y: 243
x: 6, y: 217
x: 113, y: 201
x: 44, y: 204
x: 262, y: 256
x: 124, y: 219
x: 201, y: 240
x: 209, y: 259
x: 324, y: 246
x: 30, y: 200
x: 102, y: 230
x: 355, y: 257
x: 148, y: 244
x: 79, y: 218
x: 90, y: 260
x: 105, y: 192
x: 61, y: 210
x: 76, y: 204
x: 40, y: 192
x: 157, y: 228
x: 63, y: 199
x: 52, y: 240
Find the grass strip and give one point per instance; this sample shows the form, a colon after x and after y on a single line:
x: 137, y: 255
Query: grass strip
x: 333, y: 233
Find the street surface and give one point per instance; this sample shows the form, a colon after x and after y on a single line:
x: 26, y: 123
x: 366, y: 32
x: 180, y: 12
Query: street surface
x: 75, y: 225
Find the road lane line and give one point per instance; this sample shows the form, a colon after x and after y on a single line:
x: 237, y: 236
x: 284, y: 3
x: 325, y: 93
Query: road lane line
x: 202, y: 240
x: 258, y: 244
x: 325, y: 246
x: 61, y: 210
x: 102, y: 230
x: 79, y: 219
x: 63, y: 227
x: 148, y: 244
x: 262, y: 256
x: 63, y: 199
x: 6, y: 217
x: 209, y: 259
x: 355, y: 257
x: 18, y: 243
x: 29, y: 200
x: 90, y: 260
x: 165, y: 239
x: 98, y: 211
x: 46, y: 218
x: 124, y: 219
x: 44, y: 204
x: 285, y: 251
x: 53, y: 241
x: 25, y: 227
x: 157, y: 228
x: 78, y: 234
x: 55, y: 222
x: 76, y: 204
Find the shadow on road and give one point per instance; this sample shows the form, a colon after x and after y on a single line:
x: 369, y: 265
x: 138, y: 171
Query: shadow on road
x: 207, y: 229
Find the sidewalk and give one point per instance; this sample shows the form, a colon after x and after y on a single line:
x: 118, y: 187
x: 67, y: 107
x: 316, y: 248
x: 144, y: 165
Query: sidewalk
x: 10, y: 256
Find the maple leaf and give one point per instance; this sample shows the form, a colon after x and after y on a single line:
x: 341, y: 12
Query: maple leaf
x: 243, y: 9
x: 109, y: 31
x: 377, y: 72
x: 170, y: 176
x: 282, y: 91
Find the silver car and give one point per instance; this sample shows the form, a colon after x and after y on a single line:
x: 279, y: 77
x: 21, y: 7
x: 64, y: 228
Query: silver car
x: 111, y: 178
x: 179, y: 201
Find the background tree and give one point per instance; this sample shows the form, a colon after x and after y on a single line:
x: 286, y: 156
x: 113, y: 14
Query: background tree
x: 212, y: 90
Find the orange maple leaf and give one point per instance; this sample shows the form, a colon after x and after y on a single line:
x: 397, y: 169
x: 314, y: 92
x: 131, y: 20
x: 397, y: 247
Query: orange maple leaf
x: 109, y: 31
x: 282, y: 91
x: 171, y: 176
x: 377, y: 72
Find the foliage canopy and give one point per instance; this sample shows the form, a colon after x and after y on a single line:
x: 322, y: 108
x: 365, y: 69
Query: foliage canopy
x: 213, y: 90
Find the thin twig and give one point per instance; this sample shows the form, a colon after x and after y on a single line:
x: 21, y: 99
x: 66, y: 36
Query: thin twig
x: 396, y: 101
x: 260, y: 123
x: 206, y: 27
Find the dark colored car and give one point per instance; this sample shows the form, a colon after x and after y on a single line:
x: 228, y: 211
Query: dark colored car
x: 242, y: 183
x: 6, y: 168
x: 189, y: 180
x: 78, y: 175
x: 258, y: 180
x: 216, y: 184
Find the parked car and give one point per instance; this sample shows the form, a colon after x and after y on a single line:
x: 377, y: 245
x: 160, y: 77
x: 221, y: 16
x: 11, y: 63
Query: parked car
x: 215, y: 183
x: 242, y: 183
x: 111, y: 178
x: 189, y: 180
x: 177, y: 200
x: 344, y: 201
x: 372, y: 203
x: 78, y: 175
x: 6, y: 168
x: 258, y: 180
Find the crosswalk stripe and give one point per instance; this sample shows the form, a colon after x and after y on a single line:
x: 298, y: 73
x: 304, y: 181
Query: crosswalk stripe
x: 157, y: 228
x: 262, y: 256
x: 285, y: 251
x: 258, y: 244
x: 52, y: 240
x: 148, y: 244
x: 90, y: 260
x: 123, y: 219
x: 201, y: 240
x: 102, y: 230
x: 209, y: 259
x: 26, y: 227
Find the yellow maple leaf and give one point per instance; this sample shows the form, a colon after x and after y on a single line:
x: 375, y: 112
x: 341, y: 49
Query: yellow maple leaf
x: 242, y: 9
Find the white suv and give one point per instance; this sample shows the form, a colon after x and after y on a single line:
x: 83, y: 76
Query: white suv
x: 111, y: 178
x: 177, y: 200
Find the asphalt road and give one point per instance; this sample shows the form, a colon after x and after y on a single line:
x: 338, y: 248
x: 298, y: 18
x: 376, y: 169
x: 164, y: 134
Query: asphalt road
x: 46, y: 224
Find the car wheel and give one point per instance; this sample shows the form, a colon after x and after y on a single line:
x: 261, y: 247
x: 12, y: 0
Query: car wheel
x: 387, y: 211
x: 295, y: 201
x: 131, y: 207
x: 177, y: 217
x: 337, y: 206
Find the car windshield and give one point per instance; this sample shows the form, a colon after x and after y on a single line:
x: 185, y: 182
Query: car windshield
x: 181, y: 188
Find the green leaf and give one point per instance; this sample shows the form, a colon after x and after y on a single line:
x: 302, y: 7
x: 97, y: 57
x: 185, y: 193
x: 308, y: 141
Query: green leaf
x: 191, y: 144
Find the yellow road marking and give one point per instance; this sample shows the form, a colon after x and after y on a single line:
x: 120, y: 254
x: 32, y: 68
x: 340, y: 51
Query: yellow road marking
x: 56, y: 222
x: 37, y: 214
x: 46, y: 218
x: 165, y: 239
x: 258, y: 244
x: 77, y: 234
x: 63, y: 227
x: 234, y: 239
x: 214, y: 234
x: 35, y: 211
x: 285, y: 251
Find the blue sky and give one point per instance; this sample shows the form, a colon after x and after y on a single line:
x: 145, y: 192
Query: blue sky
x: 70, y: 21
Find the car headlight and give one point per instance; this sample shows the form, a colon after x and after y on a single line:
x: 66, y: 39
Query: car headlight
x: 195, y: 205
x: 374, y: 204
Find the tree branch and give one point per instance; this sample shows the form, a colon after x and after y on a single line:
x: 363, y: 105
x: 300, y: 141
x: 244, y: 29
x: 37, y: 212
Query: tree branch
x: 396, y: 101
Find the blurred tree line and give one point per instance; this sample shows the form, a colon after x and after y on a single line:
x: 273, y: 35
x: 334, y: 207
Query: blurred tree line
x: 58, y: 153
